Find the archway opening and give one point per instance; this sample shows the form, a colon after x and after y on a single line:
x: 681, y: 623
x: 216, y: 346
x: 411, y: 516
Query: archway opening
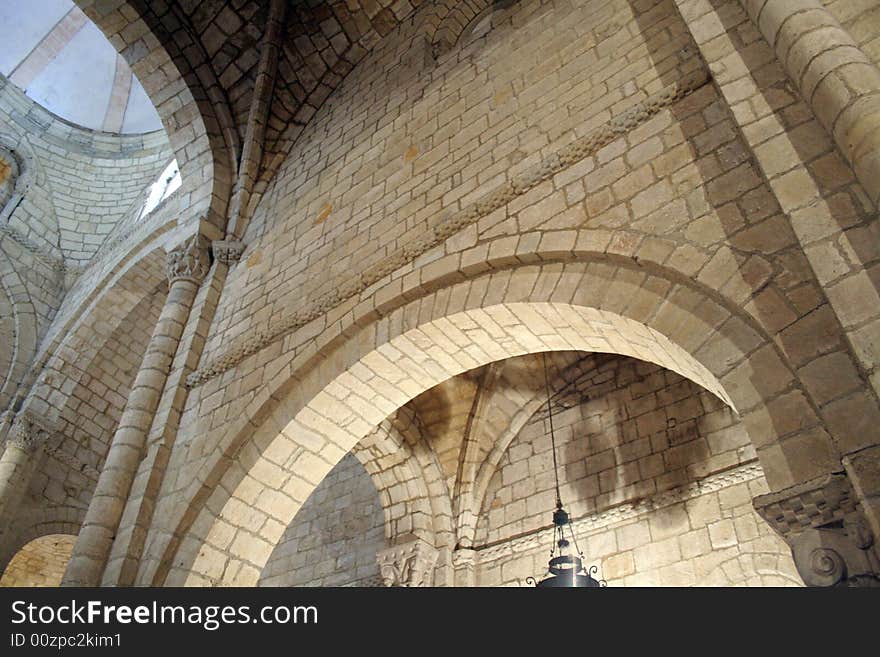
x: 41, y: 562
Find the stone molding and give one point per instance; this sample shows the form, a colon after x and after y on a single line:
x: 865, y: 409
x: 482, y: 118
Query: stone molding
x: 627, y: 511
x: 809, y: 505
x: 227, y: 251
x: 408, y: 564
x: 189, y: 261
x: 53, y: 262
x: 447, y: 226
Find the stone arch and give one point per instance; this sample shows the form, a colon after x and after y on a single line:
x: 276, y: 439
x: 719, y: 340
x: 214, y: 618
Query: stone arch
x: 43, y: 521
x: 22, y: 320
x: 40, y: 562
x: 408, y: 480
x: 406, y: 473
x: 476, y: 479
x: 448, y: 19
x: 189, y: 99
x: 70, y: 349
x: 515, y: 311
x: 754, y: 569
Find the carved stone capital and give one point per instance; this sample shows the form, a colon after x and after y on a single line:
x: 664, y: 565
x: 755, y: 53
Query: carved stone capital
x: 822, y: 522
x: 189, y: 261
x: 813, y: 504
x: 227, y: 251
x: 408, y: 564
x: 28, y: 432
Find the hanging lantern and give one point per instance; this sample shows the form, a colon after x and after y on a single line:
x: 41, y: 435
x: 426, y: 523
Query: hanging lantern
x: 566, y: 566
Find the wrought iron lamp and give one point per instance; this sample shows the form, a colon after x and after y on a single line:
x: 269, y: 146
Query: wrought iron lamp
x: 566, y: 566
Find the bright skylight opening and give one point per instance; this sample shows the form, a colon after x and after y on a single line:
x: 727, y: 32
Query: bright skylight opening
x: 164, y: 187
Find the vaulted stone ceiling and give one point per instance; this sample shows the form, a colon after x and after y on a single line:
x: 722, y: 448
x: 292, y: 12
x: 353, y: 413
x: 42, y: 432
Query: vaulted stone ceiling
x: 322, y: 41
x: 52, y: 52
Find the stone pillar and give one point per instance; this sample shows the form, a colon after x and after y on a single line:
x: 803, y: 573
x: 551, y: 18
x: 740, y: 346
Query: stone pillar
x: 124, y: 562
x: 833, y: 75
x: 26, y: 436
x: 408, y: 564
x: 824, y: 524
x: 187, y: 265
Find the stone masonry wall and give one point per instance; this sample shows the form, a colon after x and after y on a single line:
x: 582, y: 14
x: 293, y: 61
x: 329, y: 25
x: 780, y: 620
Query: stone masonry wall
x: 334, y: 537
x: 464, y: 170
x: 633, y: 441
x: 398, y: 144
x: 627, y: 431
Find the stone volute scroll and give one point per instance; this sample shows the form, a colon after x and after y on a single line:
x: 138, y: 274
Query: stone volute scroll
x: 189, y: 261
x: 409, y: 564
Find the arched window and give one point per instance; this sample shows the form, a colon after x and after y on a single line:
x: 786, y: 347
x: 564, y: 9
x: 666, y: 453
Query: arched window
x: 167, y: 183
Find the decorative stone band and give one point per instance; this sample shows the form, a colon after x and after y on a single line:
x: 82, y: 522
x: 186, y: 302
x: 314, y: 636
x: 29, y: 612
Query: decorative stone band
x: 227, y: 251
x: 56, y: 264
x: 624, y: 512
x: 408, y: 564
x: 28, y: 432
x: 447, y: 226
x: 813, y: 504
x: 190, y: 261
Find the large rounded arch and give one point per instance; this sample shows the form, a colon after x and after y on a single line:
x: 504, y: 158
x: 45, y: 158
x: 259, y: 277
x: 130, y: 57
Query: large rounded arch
x: 40, y: 562
x: 284, y: 448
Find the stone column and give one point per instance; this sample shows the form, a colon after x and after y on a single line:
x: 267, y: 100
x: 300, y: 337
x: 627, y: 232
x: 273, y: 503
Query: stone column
x: 833, y: 75
x: 408, y: 564
x: 187, y: 265
x: 24, y: 442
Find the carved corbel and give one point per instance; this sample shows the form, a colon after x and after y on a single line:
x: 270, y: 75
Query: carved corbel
x: 227, y: 251
x: 408, y: 564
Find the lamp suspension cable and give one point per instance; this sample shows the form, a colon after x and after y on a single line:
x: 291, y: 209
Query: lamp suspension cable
x: 565, y: 570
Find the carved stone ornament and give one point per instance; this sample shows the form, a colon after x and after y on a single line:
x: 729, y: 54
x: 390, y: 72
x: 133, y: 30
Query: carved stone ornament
x: 190, y: 261
x: 813, y: 504
x: 227, y: 251
x: 29, y: 432
x: 830, y: 541
x: 408, y: 564
x: 839, y: 556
